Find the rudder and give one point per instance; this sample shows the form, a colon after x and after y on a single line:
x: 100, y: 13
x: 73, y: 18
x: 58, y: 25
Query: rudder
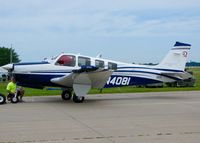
x: 176, y: 58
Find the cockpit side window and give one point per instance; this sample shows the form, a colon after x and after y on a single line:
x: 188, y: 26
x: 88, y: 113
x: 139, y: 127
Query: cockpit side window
x: 66, y: 60
x: 112, y: 66
x: 83, y: 61
x: 99, y: 63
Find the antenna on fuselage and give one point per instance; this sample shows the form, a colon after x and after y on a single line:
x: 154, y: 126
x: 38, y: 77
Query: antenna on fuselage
x: 11, y: 54
x: 10, y: 71
x: 99, y: 56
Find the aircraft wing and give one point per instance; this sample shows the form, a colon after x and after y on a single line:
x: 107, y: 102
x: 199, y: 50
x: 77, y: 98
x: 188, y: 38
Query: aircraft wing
x: 66, y: 80
x: 83, y: 79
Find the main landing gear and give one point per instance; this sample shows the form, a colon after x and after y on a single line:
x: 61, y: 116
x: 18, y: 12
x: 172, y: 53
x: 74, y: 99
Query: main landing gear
x: 67, y: 95
x: 78, y: 99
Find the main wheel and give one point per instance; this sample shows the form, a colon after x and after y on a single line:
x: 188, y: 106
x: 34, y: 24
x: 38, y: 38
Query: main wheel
x: 2, y: 99
x: 78, y: 99
x: 14, y: 99
x: 66, y: 95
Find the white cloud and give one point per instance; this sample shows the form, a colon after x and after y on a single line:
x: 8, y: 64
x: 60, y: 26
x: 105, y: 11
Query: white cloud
x: 101, y: 24
x: 25, y: 21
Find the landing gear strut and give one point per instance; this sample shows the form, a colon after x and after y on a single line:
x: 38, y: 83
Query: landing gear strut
x: 13, y: 98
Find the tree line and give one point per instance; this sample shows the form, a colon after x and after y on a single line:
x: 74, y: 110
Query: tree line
x: 193, y: 64
x: 8, y: 55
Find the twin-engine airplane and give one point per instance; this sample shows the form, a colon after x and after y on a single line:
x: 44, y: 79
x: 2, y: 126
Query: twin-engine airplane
x: 77, y: 74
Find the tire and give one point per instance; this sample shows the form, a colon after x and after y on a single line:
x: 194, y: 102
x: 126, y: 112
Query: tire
x: 9, y: 96
x: 66, y: 95
x: 2, y: 99
x: 14, y: 99
x: 78, y: 99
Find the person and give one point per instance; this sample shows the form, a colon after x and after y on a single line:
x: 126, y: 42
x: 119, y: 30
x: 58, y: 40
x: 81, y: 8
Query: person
x: 12, y: 90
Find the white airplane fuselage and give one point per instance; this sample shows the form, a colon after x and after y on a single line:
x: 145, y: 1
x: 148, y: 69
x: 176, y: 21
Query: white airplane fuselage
x: 80, y: 73
x: 124, y: 74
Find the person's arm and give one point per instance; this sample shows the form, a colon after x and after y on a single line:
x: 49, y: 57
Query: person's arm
x: 10, y: 92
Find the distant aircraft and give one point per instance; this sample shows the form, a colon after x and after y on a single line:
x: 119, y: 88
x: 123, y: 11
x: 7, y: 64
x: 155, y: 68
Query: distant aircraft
x: 77, y: 74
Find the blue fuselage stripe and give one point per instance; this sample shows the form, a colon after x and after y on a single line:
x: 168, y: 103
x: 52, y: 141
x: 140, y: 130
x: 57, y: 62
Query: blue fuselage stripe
x: 31, y: 63
x: 174, y: 78
x: 46, y: 72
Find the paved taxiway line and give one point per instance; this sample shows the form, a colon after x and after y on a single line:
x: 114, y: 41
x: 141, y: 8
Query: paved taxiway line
x: 139, y: 117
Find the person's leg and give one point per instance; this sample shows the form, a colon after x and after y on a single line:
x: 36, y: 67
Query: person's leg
x: 9, y: 96
x: 20, y: 95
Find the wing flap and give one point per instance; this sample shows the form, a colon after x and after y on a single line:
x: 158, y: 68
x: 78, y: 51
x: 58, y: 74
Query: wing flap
x: 83, y: 81
x: 99, y: 78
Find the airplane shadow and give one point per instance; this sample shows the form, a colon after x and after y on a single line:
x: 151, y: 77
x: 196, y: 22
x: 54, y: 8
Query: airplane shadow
x: 138, y: 98
x: 103, y: 98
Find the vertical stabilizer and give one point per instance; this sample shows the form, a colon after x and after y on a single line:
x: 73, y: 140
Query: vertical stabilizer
x: 176, y: 58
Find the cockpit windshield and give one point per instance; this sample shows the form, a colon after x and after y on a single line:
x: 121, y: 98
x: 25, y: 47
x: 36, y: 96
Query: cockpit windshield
x: 66, y: 60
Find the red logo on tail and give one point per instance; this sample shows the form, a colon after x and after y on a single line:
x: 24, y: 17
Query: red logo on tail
x: 185, y: 54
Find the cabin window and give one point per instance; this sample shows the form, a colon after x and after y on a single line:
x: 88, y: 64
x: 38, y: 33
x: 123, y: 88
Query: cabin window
x: 99, y: 63
x: 66, y: 60
x: 112, y: 66
x: 83, y: 61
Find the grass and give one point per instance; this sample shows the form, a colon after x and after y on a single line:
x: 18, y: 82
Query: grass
x: 31, y: 91
x: 130, y: 89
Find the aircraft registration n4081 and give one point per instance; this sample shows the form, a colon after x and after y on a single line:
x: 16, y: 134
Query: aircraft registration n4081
x: 119, y: 81
x: 76, y: 74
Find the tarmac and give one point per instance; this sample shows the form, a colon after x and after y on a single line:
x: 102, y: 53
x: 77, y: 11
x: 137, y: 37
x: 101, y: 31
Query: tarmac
x: 108, y: 118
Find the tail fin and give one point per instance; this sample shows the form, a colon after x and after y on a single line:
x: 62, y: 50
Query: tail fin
x: 176, y: 58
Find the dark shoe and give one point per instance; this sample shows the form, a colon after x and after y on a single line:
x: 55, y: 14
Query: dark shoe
x: 8, y: 98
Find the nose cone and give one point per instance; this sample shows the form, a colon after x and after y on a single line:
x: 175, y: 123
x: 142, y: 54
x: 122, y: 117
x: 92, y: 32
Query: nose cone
x: 8, y: 67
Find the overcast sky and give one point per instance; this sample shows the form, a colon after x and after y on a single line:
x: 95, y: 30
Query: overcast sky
x: 123, y: 30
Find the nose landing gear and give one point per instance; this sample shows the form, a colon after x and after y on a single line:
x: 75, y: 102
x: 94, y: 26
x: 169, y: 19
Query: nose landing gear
x: 13, y: 98
x: 2, y: 99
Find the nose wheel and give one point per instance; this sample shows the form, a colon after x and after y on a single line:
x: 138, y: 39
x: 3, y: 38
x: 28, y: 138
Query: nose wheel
x: 2, y: 99
x: 14, y: 99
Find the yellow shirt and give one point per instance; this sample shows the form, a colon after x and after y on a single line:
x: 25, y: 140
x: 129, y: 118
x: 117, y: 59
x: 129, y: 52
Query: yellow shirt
x: 11, y: 87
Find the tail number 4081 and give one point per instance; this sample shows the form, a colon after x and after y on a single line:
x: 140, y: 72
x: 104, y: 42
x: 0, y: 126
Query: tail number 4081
x: 119, y: 80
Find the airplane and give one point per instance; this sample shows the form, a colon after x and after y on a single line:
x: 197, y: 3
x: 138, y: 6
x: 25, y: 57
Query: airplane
x: 76, y: 74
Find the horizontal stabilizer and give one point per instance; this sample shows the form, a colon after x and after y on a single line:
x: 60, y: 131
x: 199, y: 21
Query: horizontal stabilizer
x: 179, y: 76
